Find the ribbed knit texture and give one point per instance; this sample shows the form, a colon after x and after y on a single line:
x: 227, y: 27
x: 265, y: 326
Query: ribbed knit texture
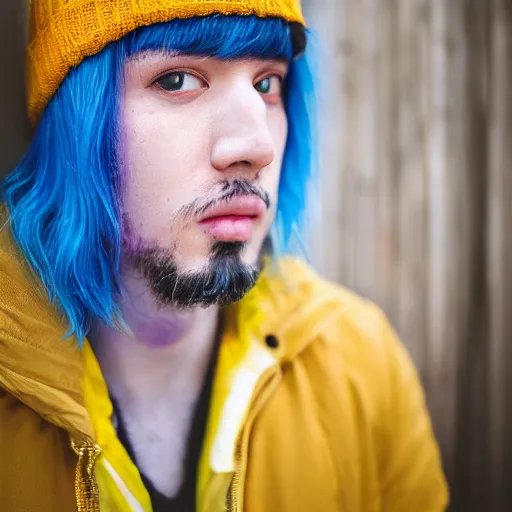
x: 64, y: 32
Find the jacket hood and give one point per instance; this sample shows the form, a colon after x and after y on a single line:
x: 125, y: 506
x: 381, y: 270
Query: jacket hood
x: 38, y: 364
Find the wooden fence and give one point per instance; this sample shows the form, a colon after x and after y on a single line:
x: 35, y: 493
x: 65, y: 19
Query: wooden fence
x: 416, y: 148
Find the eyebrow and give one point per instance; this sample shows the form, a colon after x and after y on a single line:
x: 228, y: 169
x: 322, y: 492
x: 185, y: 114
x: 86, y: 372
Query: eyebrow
x: 161, y: 52
x: 165, y: 53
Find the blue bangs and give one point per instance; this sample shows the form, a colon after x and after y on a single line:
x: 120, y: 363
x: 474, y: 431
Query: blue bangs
x: 222, y: 37
x: 63, y: 196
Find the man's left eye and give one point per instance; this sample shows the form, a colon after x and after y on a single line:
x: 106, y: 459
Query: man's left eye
x: 271, y: 85
x: 180, y: 81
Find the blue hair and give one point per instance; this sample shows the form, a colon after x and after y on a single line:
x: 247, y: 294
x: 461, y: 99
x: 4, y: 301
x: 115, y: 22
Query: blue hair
x: 63, y: 195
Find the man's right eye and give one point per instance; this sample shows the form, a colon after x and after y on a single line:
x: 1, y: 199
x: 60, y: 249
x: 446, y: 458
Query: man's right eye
x: 180, y: 81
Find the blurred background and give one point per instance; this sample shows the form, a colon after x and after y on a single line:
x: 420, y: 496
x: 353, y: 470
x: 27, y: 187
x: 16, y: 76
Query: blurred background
x: 415, y: 150
x: 416, y: 137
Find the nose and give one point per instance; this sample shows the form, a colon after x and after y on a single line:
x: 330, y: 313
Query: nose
x: 242, y: 138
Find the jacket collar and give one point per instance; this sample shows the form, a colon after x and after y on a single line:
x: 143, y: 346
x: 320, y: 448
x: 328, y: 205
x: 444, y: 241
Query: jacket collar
x: 286, y: 299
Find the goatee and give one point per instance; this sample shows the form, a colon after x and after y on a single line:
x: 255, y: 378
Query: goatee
x: 226, y: 278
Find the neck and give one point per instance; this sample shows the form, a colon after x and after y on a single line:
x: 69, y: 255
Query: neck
x: 167, y: 348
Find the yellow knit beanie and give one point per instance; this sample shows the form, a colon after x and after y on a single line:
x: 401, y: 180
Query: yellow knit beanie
x: 63, y: 32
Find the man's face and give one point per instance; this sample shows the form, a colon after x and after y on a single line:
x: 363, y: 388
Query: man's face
x: 201, y: 149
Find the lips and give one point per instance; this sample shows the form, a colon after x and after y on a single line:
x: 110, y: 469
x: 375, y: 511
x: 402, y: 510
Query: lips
x: 233, y: 221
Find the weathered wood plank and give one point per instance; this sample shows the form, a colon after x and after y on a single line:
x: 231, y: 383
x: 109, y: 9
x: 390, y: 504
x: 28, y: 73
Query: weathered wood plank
x: 499, y: 240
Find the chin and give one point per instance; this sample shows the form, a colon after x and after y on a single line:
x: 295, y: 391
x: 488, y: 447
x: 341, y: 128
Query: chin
x: 218, y: 251
x: 224, y: 277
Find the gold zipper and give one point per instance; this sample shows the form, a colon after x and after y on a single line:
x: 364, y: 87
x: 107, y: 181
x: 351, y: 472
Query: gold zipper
x: 270, y: 381
x: 86, y: 488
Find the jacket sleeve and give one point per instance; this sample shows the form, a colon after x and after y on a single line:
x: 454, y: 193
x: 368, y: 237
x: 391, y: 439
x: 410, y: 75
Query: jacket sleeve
x: 411, y: 471
x: 36, y: 463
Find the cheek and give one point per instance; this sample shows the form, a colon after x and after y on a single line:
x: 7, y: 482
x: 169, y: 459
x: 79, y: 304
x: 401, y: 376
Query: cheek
x: 148, y: 158
x: 156, y: 163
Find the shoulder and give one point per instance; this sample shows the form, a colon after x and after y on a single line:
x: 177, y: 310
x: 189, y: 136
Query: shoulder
x: 355, y: 365
x: 349, y: 337
x: 344, y: 319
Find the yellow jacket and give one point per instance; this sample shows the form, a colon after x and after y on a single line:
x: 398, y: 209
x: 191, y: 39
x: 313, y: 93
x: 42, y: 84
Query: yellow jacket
x: 332, y: 419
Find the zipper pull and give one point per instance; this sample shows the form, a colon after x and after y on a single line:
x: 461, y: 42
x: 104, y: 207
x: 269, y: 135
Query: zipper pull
x: 86, y: 488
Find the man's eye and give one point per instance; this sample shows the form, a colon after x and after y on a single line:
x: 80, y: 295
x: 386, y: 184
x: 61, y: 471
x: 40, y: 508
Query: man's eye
x: 180, y: 81
x: 271, y: 85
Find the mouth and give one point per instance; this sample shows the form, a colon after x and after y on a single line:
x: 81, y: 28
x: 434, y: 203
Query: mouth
x: 234, y: 220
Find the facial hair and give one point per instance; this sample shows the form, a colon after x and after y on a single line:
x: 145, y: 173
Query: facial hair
x: 225, y: 280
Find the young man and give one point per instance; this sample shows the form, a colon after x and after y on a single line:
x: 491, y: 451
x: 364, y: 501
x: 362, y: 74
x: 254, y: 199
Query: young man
x: 155, y: 351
